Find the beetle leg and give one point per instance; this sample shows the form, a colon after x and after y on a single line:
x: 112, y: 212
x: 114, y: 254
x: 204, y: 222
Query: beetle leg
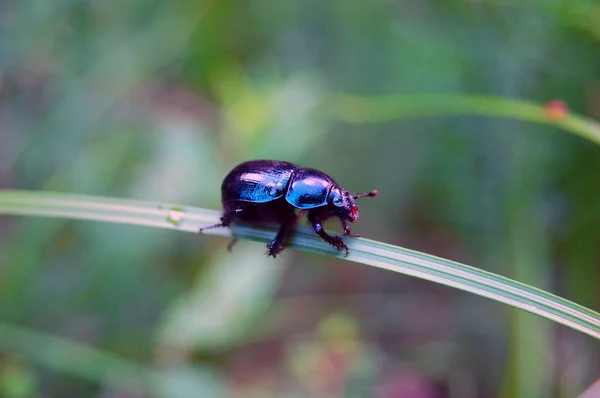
x: 225, y: 220
x: 275, y: 245
x: 223, y: 223
x: 334, y: 241
x: 231, y: 243
x: 347, y: 229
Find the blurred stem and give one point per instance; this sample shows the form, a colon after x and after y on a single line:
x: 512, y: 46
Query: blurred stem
x: 377, y: 254
x: 528, y: 254
x: 356, y: 109
x: 582, y: 281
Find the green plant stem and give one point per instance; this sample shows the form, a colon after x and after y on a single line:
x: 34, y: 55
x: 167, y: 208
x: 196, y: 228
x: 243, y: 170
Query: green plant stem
x: 365, y: 251
x: 360, y: 110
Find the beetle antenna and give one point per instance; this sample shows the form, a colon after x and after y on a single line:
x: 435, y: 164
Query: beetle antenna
x: 362, y: 195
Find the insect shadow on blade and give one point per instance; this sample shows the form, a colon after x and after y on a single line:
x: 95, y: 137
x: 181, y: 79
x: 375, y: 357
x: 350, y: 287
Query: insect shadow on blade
x: 270, y: 191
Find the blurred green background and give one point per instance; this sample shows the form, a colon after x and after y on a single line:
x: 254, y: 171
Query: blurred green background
x: 158, y: 100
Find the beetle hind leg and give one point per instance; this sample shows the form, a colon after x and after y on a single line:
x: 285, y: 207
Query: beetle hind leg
x: 225, y: 222
x: 226, y: 219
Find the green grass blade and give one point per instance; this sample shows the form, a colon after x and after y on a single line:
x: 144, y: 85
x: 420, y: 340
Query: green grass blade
x: 365, y: 251
x: 79, y: 359
x: 89, y: 363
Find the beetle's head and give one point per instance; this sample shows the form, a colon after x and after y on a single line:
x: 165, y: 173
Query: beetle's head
x: 342, y: 203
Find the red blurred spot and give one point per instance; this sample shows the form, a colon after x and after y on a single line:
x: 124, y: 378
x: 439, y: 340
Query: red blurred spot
x: 556, y: 109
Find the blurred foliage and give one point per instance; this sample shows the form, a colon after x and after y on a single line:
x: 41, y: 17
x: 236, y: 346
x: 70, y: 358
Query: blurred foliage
x: 158, y: 100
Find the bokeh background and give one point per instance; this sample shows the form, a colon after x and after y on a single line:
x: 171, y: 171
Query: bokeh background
x: 158, y: 100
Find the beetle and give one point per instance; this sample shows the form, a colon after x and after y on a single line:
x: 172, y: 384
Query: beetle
x: 263, y: 191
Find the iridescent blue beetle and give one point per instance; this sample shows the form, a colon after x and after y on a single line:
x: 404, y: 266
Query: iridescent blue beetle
x: 263, y: 191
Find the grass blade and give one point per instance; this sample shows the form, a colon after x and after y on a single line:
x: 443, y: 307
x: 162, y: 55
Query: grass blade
x: 365, y: 251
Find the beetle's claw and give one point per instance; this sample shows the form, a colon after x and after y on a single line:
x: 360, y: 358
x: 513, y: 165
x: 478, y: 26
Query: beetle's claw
x: 272, y: 253
x: 273, y: 250
x: 341, y: 246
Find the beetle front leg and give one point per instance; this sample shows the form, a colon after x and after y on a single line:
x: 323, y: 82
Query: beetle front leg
x: 347, y: 229
x: 334, y: 241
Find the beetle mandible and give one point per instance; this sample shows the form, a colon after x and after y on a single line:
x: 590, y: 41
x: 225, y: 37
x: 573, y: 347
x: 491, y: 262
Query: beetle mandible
x: 261, y: 191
